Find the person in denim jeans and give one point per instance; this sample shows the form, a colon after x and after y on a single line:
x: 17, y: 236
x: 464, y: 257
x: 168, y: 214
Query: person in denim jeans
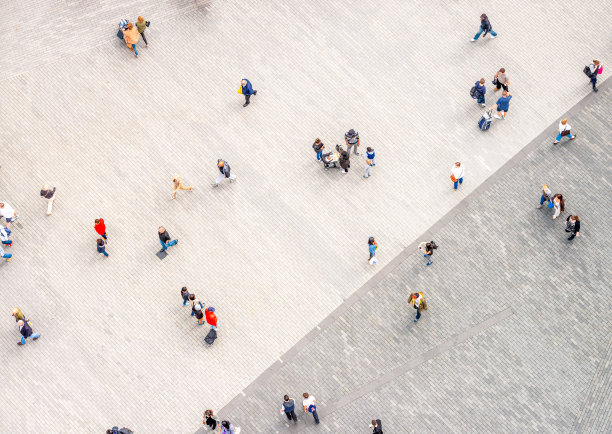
x: 546, y: 196
x: 457, y: 173
x: 26, y: 332
x: 164, y: 238
x: 318, y: 147
x: 564, y: 130
x: 7, y: 256
x: 485, y: 26
x: 100, y: 245
x: 481, y: 89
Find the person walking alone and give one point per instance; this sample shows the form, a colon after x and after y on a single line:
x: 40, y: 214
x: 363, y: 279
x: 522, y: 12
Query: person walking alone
x: 141, y: 25
x: 101, y: 246
x: 501, y: 80
x: 418, y: 302
x: 49, y: 195
x: 18, y: 314
x: 372, y: 246
x: 558, y: 205
x: 177, y: 184
x: 547, y: 196
x: 131, y: 37
x: 376, y: 426
x: 427, y: 250
x: 572, y: 225
x: 246, y: 88
x: 485, y: 26
x: 564, y: 130
x: 310, y: 406
x: 503, y: 105
x: 8, y: 212
x: 100, y: 228
x: 596, y: 68
x: 481, y: 89
x: 288, y: 408
x: 224, y: 172
x: 351, y: 137
x: 456, y: 175
x: 26, y: 332
x: 164, y: 238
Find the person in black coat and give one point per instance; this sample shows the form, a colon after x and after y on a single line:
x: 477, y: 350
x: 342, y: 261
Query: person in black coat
x: 164, y: 238
x: 26, y: 332
x: 485, y: 26
x: 345, y: 162
x: 376, y: 426
x: 572, y: 225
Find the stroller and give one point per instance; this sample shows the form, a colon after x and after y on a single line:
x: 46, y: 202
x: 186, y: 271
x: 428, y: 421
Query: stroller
x: 123, y: 25
x: 331, y: 159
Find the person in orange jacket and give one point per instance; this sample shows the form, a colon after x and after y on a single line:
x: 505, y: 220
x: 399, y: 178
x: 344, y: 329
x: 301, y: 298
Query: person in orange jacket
x: 211, y: 318
x: 131, y: 36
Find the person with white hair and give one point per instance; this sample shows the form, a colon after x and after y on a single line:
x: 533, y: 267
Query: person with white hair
x: 48, y: 194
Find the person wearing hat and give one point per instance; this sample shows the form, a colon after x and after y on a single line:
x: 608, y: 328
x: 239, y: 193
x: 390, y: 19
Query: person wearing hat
x: 352, y: 139
x: 485, y: 26
x: 211, y: 318
x: 418, y: 302
x: 224, y: 172
x: 26, y: 332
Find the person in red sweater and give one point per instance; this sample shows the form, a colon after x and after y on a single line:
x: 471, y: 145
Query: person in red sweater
x: 100, y: 228
x: 211, y: 318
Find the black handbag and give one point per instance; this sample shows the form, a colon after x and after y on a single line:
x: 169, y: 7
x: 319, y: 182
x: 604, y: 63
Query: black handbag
x: 148, y: 23
x: 495, y: 80
x: 565, y: 133
x: 587, y: 71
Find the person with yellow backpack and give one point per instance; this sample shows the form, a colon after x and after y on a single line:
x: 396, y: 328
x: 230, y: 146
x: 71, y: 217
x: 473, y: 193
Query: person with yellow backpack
x: 418, y: 302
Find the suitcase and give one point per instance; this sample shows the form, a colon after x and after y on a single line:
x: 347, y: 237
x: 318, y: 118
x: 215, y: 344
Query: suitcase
x: 485, y: 121
x: 211, y: 336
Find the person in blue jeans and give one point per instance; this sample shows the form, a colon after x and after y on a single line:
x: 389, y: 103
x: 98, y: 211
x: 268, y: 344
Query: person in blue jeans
x: 485, y: 26
x: 7, y: 256
x: 101, y: 246
x: 164, y: 238
x: 547, y: 196
x: 26, y: 332
x: 318, y: 147
x: 481, y: 89
x: 503, y: 105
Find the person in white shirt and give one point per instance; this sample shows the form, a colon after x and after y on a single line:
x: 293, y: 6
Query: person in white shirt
x: 457, y: 175
x: 310, y: 406
x: 8, y: 213
x: 564, y: 130
x: 48, y: 194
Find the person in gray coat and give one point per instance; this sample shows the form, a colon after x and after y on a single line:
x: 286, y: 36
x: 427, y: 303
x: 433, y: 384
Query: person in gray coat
x: 288, y: 408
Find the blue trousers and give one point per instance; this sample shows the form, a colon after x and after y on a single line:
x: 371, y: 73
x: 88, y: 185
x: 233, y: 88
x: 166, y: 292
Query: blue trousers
x: 457, y: 182
x: 168, y: 244
x: 34, y: 336
x: 320, y: 155
x: 559, y: 137
x: 480, y: 30
x: 481, y: 98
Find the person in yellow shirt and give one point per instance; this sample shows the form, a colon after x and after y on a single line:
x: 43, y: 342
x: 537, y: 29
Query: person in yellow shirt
x: 418, y: 302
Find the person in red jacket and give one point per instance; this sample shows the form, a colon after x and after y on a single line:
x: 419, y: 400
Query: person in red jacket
x: 211, y: 318
x: 100, y: 227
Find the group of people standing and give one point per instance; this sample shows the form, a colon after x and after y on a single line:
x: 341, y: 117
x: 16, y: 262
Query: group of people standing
x: 556, y: 202
x: 351, y: 138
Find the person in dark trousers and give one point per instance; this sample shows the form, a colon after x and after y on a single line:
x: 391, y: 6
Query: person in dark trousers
x: 352, y: 139
x: 185, y: 295
x: 501, y: 80
x: 572, y: 225
x: 596, y: 68
x: 427, y: 250
x: 210, y: 420
x: 485, y: 26
x: 481, y: 89
x: 194, y: 301
x: 310, y: 406
x: 318, y: 147
x: 164, y: 238
x: 345, y: 162
x: 503, y: 105
x: 376, y: 426
x: 101, y: 246
x: 288, y: 408
x: 26, y: 332
x: 418, y: 302
x: 247, y: 91
x: 141, y: 25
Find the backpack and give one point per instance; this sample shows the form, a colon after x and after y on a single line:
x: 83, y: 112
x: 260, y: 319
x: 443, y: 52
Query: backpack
x: 211, y: 336
x: 474, y: 92
x: 433, y: 245
x: 587, y: 71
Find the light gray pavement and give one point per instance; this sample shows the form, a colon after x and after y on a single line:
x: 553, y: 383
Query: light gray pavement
x: 518, y: 334
x: 280, y: 249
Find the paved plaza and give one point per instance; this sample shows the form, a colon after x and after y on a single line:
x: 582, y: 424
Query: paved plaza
x: 518, y: 335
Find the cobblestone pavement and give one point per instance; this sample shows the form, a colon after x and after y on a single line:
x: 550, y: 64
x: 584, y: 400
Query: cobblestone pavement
x: 518, y: 334
x: 284, y: 246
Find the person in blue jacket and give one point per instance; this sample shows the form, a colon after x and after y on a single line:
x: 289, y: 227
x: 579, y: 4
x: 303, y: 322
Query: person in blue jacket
x: 247, y: 91
x: 485, y: 26
x: 503, y: 104
x: 481, y: 89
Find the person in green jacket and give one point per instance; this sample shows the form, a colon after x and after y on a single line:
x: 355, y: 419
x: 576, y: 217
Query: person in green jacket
x: 141, y: 25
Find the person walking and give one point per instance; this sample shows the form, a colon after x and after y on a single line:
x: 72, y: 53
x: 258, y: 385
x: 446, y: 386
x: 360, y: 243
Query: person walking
x: 224, y: 172
x: 372, y: 246
x: 164, y: 238
x: 211, y: 317
x: 572, y: 225
x: 318, y: 147
x: 596, y: 68
x: 101, y: 246
x: 7, y: 256
x: 352, y: 140
x: 457, y: 175
x: 501, y: 80
x: 100, y: 228
x: 194, y: 302
x: 19, y: 316
x: 177, y: 184
x: 5, y: 237
x: 481, y: 89
x: 310, y: 406
x: 26, y: 332
x: 48, y: 194
x: 288, y: 408
x: 427, y: 250
x: 558, y: 205
x: 210, y: 420
x: 141, y: 25
x: 485, y: 26
x: 185, y: 295
x: 369, y: 163
x: 418, y: 302
x: 345, y: 161
x: 8, y: 212
x: 546, y: 196
x: 376, y: 426
x: 227, y: 428
x: 503, y: 105
x: 564, y: 130
x: 131, y: 37
x: 246, y: 88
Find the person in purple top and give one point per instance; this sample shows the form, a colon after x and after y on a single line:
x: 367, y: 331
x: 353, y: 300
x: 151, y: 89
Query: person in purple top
x: 247, y: 91
x: 503, y: 104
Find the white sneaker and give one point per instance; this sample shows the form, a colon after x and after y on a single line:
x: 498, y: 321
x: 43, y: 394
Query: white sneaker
x: 493, y: 37
x: 497, y: 117
x: 473, y: 40
x: 482, y: 105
